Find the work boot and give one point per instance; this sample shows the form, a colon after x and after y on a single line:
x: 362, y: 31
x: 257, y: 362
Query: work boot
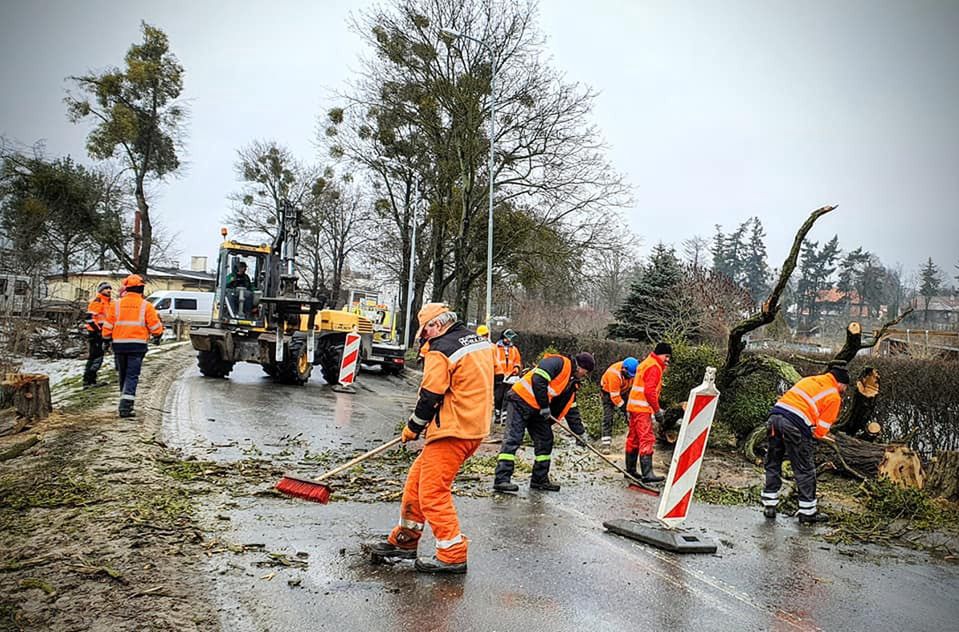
x: 383, y: 548
x: 433, y: 565
x: 605, y: 444
x: 770, y: 512
x: 505, y: 486
x: 126, y: 413
x: 816, y: 518
x: 631, y: 458
x: 646, y: 463
x: 546, y: 486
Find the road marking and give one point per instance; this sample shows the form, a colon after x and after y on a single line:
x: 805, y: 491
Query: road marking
x: 713, y: 582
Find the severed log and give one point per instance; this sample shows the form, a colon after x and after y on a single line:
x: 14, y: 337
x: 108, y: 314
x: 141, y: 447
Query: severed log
x: 29, y: 393
x: 767, y: 314
x: 866, y: 460
x: 943, y: 479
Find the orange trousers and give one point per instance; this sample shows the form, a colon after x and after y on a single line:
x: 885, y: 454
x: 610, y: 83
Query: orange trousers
x: 427, y: 498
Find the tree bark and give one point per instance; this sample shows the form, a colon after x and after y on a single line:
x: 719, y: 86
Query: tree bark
x: 864, y: 460
x: 29, y: 393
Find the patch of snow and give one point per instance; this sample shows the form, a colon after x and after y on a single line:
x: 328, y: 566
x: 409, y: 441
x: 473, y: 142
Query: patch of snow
x: 57, y: 370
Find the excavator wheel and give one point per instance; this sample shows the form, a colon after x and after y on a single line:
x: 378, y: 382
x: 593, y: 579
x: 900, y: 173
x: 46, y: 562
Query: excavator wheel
x: 329, y: 354
x: 296, y: 367
x: 212, y: 365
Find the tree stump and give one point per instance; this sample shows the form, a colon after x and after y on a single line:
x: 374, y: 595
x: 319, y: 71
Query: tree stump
x: 29, y: 393
x: 864, y: 459
x: 943, y: 478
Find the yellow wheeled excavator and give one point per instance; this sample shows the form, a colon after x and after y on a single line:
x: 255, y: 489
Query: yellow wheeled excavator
x: 259, y: 316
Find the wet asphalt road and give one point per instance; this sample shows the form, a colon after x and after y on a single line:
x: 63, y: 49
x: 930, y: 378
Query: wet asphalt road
x: 537, y: 561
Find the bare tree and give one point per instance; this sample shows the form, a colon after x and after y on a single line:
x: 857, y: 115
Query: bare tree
x: 269, y: 174
x: 696, y: 250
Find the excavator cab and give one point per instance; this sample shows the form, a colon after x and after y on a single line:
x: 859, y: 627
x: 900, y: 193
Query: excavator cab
x: 241, y: 277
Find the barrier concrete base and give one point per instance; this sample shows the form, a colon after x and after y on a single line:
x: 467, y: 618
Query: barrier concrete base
x: 344, y: 388
x: 674, y: 540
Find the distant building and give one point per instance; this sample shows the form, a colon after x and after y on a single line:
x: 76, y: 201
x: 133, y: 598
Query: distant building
x: 941, y: 314
x: 80, y: 286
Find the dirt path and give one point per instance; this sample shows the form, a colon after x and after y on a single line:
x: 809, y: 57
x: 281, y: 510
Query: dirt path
x: 98, y: 522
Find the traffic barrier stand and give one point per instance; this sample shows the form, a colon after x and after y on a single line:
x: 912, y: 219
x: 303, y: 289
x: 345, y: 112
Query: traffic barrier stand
x: 350, y: 364
x: 681, y: 481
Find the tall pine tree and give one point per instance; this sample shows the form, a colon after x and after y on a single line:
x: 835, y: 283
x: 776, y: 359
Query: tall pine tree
x: 755, y: 266
x: 931, y: 282
x: 653, y: 297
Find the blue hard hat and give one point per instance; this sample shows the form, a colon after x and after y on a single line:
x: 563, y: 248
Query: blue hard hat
x: 630, y: 365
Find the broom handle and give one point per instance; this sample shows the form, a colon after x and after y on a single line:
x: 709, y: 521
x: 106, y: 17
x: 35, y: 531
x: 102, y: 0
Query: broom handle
x: 599, y: 454
x: 366, y: 455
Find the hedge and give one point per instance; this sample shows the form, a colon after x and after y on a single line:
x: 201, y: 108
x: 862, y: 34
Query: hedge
x: 918, y: 403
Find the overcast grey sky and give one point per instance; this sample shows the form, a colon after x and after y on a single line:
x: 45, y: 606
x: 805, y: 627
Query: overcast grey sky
x: 716, y: 111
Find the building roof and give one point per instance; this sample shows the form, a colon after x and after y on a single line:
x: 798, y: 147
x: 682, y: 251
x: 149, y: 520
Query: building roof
x: 157, y: 272
x: 941, y: 304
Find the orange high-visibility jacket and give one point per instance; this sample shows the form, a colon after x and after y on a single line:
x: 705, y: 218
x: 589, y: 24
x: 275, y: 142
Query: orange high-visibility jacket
x: 457, y: 388
x: 508, y: 360
x: 644, y: 396
x: 814, y: 399
x: 615, y: 383
x: 97, y: 312
x: 133, y: 320
x: 557, y: 374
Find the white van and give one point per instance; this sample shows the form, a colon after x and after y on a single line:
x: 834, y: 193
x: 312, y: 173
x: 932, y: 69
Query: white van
x: 190, y: 307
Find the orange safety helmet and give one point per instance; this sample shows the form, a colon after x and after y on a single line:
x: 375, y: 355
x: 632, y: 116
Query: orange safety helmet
x: 134, y: 280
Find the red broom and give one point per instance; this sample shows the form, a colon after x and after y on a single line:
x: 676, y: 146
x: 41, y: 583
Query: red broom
x: 634, y: 483
x: 316, y: 490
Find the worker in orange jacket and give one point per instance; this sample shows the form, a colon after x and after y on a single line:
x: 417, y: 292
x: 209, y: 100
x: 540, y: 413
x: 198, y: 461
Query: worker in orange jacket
x: 642, y: 406
x: 805, y: 412
x: 129, y: 325
x: 546, y: 393
x: 614, y: 391
x: 97, y: 311
x: 455, y: 401
x: 508, y: 364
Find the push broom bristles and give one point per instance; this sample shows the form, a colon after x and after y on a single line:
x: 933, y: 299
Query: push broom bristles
x: 305, y: 489
x: 643, y: 490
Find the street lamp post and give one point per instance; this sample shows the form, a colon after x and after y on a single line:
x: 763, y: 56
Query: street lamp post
x: 492, y: 137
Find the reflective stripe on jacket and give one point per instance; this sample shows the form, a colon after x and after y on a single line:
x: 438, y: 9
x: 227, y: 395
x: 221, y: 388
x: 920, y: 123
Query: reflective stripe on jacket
x: 97, y: 312
x: 508, y: 360
x: 615, y: 383
x: 815, y: 400
x: 457, y: 388
x: 134, y: 319
x: 556, y: 378
x: 644, y: 396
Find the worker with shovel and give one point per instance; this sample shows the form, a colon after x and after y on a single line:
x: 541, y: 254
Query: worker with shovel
x: 614, y: 391
x: 804, y: 412
x: 642, y: 406
x: 97, y: 312
x: 455, y: 401
x: 546, y: 393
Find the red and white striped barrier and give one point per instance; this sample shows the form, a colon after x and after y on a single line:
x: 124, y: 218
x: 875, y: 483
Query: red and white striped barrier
x: 688, y: 454
x: 351, y: 359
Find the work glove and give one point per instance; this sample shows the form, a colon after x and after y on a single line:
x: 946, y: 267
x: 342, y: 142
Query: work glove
x: 412, y: 430
x: 107, y: 346
x: 156, y: 340
x: 545, y: 414
x: 660, y: 417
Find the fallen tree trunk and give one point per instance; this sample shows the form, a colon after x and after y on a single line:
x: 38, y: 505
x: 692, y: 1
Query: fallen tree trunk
x: 866, y: 460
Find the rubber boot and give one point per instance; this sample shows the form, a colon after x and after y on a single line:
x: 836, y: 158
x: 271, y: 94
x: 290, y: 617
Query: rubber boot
x: 605, y: 444
x: 646, y: 463
x: 631, y: 458
x: 125, y: 408
x: 504, y: 472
